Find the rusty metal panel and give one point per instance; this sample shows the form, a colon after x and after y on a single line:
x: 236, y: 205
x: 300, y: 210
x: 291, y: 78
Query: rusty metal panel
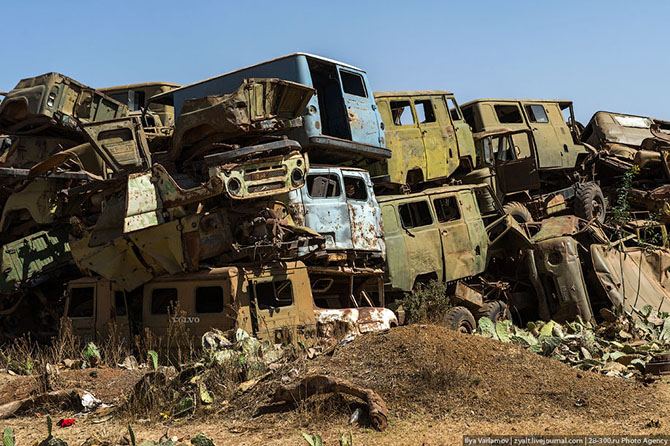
x: 39, y: 199
x: 364, y: 212
x: 353, y: 321
x: 121, y: 143
x: 29, y: 257
x: 560, y: 274
x: 143, y: 203
x: 635, y: 277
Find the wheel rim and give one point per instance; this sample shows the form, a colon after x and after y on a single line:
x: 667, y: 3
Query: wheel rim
x: 464, y: 328
x: 597, y: 208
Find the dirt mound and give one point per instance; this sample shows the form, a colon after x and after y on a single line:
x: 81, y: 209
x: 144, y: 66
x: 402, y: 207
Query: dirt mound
x: 439, y: 372
x: 110, y: 385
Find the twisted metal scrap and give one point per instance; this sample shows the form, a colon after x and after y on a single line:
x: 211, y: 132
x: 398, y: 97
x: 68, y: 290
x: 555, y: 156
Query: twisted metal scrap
x: 320, y: 384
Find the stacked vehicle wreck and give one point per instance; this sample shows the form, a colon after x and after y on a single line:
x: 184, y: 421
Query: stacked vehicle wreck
x: 288, y: 200
x: 105, y: 198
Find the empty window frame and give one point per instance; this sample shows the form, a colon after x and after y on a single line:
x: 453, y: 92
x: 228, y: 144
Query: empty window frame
x: 354, y: 188
x: 401, y: 112
x: 323, y: 186
x: 508, y: 114
x: 415, y: 214
x: 352, y: 83
x: 278, y: 293
x: 454, y: 111
x: 446, y: 209
x: 424, y: 111
x: 81, y: 302
x: 120, y: 303
x: 162, y: 299
x: 504, y: 148
x: 536, y: 113
x: 208, y: 299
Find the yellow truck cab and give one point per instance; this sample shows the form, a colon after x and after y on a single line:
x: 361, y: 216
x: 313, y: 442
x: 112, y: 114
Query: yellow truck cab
x: 427, y: 135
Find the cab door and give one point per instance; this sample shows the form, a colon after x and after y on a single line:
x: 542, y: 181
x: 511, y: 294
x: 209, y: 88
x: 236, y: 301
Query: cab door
x: 158, y: 301
x: 364, y: 212
x: 80, y: 309
x: 457, y: 251
x: 404, y: 139
x: 510, y: 116
x: 274, y: 309
x: 550, y: 150
x: 362, y: 111
x: 325, y: 207
x: 422, y: 255
x: 466, y: 144
x: 111, y: 308
x: 439, y: 142
x: 514, y: 173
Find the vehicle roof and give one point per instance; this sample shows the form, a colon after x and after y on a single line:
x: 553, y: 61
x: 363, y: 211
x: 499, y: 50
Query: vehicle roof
x: 141, y: 84
x: 431, y: 191
x: 385, y: 94
x: 605, y: 112
x: 207, y: 272
x: 326, y: 166
x: 313, y: 56
x: 501, y: 131
x: 476, y: 101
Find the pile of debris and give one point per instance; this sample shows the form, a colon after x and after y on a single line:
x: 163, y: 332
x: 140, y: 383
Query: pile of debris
x: 624, y: 345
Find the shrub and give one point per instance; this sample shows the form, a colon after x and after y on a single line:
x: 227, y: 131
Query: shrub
x: 427, y: 303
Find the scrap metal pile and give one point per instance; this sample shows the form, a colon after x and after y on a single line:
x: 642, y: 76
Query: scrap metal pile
x: 200, y: 202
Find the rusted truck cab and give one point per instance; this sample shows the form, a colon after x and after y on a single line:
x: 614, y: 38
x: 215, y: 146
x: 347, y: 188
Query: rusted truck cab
x: 340, y: 122
x: 627, y: 142
x: 555, y: 135
x: 340, y: 204
x: 273, y: 302
x: 428, y: 136
x: 94, y: 306
x: 135, y: 96
x: 531, y: 147
x: 448, y: 234
x: 57, y: 100
x: 435, y: 234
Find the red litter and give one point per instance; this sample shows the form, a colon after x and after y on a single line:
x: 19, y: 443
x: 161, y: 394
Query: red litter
x: 65, y: 422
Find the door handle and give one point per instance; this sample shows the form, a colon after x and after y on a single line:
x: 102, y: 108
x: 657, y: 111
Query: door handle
x: 445, y: 232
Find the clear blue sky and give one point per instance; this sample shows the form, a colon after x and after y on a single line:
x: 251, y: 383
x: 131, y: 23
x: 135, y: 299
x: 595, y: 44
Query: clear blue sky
x: 610, y: 55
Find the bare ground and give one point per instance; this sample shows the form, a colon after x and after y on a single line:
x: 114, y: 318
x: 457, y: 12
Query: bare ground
x: 438, y: 386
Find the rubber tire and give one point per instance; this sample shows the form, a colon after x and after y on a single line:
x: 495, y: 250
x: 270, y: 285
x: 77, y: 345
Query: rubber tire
x: 496, y: 310
x: 518, y: 211
x: 460, y: 319
x: 585, y: 196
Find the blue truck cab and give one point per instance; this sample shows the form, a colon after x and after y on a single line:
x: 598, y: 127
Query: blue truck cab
x: 341, y: 122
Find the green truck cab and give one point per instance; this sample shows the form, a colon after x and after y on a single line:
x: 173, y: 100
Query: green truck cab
x: 272, y: 302
x: 446, y: 234
x: 427, y: 135
x: 558, y: 146
x: 532, y: 147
